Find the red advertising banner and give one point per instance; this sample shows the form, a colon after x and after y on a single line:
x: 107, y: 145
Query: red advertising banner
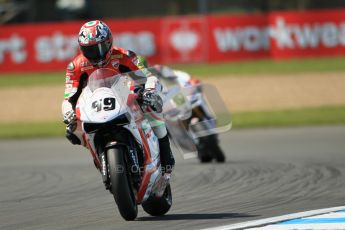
x: 306, y: 34
x: 184, y: 39
x: 50, y: 46
x: 278, y: 35
x: 238, y: 37
x: 37, y: 47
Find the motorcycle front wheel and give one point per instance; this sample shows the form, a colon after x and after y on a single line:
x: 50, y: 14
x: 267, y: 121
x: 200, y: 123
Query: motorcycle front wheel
x: 121, y: 186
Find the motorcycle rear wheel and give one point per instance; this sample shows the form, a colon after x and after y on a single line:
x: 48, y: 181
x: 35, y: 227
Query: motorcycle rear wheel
x: 158, y: 206
x: 209, y: 149
x: 121, y: 187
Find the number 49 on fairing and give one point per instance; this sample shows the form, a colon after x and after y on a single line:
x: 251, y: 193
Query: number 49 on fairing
x: 106, y: 104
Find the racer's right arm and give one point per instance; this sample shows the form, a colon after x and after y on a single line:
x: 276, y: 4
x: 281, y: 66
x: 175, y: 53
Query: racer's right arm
x: 73, y: 89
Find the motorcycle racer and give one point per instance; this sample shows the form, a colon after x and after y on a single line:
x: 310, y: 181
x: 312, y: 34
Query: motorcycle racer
x: 97, y: 51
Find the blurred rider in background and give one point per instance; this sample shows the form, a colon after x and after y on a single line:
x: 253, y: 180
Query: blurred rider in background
x: 201, y: 114
x: 95, y: 44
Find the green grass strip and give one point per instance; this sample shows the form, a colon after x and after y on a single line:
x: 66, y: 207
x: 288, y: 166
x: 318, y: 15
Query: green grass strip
x: 252, y: 68
x: 20, y: 130
x: 261, y: 67
x: 294, y: 117
x: 32, y: 79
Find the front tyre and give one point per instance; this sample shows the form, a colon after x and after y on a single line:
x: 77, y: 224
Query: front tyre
x: 121, y: 187
x: 158, y: 206
x: 204, y: 155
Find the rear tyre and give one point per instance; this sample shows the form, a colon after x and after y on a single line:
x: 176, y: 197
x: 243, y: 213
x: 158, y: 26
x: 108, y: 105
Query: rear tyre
x: 204, y: 156
x: 218, y: 154
x: 209, y: 149
x: 214, y: 149
x: 158, y: 206
x: 121, y: 187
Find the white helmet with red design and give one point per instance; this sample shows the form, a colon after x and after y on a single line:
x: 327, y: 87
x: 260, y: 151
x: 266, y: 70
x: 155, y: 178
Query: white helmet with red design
x: 95, y: 42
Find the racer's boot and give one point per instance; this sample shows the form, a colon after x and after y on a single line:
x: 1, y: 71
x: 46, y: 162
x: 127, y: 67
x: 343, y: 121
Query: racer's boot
x: 167, y: 158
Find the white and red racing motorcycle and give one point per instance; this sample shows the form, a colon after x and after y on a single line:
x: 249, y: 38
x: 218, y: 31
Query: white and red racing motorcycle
x: 123, y: 144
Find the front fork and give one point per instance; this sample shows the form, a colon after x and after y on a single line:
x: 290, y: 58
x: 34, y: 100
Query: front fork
x: 132, y: 162
x: 104, y: 170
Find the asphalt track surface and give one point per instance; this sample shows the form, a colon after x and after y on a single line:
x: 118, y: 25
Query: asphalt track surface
x: 50, y: 184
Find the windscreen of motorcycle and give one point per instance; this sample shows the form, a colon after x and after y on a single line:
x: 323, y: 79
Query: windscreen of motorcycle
x: 103, y: 77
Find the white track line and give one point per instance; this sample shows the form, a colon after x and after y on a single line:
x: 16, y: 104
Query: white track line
x: 273, y: 220
x: 332, y: 226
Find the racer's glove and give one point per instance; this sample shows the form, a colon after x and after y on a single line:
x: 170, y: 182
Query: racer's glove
x: 69, y: 117
x: 153, y: 100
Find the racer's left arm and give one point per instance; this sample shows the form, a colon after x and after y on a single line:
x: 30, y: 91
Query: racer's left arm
x: 152, y: 86
x: 137, y: 62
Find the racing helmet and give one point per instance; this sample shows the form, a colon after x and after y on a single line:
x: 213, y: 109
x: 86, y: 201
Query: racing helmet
x: 95, y: 42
